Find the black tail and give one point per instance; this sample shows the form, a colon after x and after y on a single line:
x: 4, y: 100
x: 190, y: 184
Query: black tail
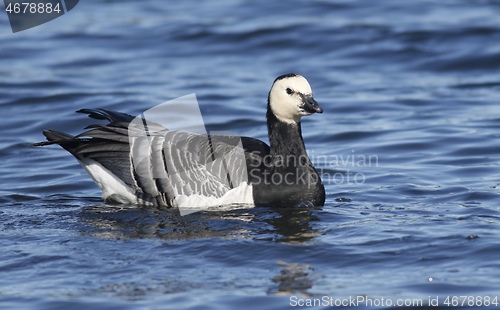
x: 106, y: 114
x: 69, y: 142
x: 65, y: 140
x: 108, y: 144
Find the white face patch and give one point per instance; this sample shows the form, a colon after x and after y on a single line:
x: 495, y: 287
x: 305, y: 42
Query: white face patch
x: 285, y: 100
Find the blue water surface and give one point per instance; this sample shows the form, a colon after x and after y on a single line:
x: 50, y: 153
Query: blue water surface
x: 408, y: 148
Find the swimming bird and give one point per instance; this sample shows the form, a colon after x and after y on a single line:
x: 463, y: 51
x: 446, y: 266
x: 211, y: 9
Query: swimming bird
x: 168, y: 168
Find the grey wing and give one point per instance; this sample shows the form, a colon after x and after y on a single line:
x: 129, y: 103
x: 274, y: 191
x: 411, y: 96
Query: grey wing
x: 171, y: 164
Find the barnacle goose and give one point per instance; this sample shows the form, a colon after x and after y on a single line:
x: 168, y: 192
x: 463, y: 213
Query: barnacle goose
x: 277, y: 175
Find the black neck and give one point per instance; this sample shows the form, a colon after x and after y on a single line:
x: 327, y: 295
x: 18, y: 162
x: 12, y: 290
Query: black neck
x: 284, y: 138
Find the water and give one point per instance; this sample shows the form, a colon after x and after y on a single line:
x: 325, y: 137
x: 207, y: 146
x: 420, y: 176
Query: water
x: 413, y: 86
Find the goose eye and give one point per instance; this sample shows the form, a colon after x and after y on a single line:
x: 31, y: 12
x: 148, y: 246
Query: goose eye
x: 289, y: 91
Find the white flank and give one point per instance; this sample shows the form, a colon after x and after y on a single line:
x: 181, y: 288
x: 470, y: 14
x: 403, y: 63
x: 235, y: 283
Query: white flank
x: 112, y: 187
x: 241, y: 195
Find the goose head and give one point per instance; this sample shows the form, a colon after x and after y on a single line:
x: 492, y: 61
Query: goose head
x: 291, y: 98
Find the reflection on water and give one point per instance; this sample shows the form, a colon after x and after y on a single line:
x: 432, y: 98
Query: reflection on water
x: 293, y: 225
x: 294, y: 278
x: 283, y: 225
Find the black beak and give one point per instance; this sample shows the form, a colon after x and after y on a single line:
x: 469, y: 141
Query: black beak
x: 310, y: 105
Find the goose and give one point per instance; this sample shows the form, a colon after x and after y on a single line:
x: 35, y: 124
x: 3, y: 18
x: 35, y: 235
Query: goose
x: 182, y: 169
